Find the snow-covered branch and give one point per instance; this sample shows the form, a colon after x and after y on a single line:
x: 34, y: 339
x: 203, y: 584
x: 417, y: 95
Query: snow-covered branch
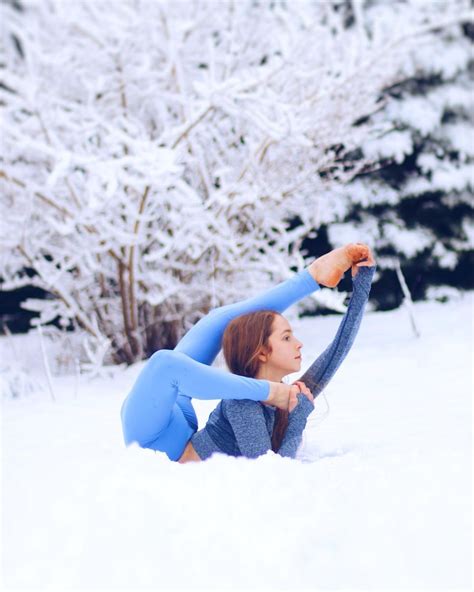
x: 151, y: 167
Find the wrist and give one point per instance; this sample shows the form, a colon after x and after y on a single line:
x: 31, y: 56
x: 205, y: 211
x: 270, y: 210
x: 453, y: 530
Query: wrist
x: 303, y: 408
x: 364, y: 275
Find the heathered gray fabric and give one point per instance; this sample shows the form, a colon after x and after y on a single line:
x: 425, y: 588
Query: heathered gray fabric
x: 244, y: 427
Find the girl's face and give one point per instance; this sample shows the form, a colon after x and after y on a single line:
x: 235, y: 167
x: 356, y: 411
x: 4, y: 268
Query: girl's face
x: 286, y: 349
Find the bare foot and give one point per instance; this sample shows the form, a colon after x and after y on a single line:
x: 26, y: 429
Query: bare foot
x: 369, y: 262
x: 329, y: 269
x: 280, y: 394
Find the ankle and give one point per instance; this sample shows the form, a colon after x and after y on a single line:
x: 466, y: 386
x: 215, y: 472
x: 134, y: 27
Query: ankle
x: 279, y: 395
x: 314, y: 269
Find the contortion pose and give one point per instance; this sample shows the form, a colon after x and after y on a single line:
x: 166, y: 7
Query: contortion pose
x: 258, y: 412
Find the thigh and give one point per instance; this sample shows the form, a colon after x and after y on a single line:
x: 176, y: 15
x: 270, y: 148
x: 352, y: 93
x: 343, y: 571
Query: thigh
x: 173, y: 439
x: 184, y: 403
x: 148, y: 407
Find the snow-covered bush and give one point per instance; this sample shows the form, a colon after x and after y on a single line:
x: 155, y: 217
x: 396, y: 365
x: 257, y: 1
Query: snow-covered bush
x: 15, y: 381
x: 47, y: 352
x: 154, y: 153
x: 443, y: 294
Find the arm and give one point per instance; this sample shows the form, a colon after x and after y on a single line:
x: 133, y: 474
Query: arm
x: 325, y: 366
x: 296, y: 424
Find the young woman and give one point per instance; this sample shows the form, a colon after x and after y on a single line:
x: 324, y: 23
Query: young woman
x: 158, y: 412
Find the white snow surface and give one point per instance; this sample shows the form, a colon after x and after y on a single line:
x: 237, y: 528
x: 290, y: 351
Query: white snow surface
x: 378, y: 498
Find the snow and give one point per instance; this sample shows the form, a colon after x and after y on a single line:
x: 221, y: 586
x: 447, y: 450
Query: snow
x: 419, y: 113
x: 459, y: 138
x: 396, y: 144
x: 379, y: 496
x: 408, y: 241
x: 167, y: 133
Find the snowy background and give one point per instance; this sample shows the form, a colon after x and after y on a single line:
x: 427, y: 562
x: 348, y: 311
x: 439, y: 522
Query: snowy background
x: 379, y: 497
x: 172, y: 157
x: 161, y: 158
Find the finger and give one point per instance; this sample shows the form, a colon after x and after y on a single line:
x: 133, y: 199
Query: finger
x: 304, y: 389
x: 292, y: 402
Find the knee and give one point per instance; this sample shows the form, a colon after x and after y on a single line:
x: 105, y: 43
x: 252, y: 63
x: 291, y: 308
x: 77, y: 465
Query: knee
x: 224, y: 311
x: 220, y: 309
x: 165, y: 359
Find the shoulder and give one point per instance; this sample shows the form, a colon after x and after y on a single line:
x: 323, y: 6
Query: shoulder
x: 241, y: 406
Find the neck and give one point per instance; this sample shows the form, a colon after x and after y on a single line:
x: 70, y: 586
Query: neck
x: 272, y: 374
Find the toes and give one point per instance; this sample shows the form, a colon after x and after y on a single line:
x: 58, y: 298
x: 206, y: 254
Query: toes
x: 358, y: 252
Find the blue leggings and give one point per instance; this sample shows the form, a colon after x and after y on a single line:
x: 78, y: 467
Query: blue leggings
x: 158, y: 412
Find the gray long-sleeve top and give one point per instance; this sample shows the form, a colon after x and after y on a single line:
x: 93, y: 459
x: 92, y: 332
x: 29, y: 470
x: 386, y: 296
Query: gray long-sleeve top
x: 244, y: 427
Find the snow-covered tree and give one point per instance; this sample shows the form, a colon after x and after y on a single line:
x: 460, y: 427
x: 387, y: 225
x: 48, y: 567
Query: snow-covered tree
x: 154, y: 153
x: 417, y: 208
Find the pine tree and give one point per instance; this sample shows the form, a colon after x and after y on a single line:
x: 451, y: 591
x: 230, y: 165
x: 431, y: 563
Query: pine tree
x: 416, y: 208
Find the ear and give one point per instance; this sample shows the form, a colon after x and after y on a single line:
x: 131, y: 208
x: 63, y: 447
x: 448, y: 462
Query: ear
x: 262, y: 356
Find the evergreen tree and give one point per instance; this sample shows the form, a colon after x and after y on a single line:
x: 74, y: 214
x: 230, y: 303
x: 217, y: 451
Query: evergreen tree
x: 416, y: 207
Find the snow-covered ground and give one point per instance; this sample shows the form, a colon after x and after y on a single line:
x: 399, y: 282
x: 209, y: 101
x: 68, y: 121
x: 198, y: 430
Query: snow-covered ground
x: 379, y: 497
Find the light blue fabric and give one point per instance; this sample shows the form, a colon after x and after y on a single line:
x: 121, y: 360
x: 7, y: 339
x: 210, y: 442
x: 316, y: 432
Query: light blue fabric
x: 158, y: 413
x: 244, y: 427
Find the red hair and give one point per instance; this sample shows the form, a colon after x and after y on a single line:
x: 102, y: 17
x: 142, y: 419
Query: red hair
x: 244, y: 338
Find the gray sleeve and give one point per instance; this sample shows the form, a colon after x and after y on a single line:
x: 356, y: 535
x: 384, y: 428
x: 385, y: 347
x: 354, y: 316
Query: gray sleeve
x: 248, y: 424
x: 325, y: 366
x: 296, y: 425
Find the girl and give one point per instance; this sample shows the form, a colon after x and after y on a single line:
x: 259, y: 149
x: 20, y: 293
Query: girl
x: 158, y: 412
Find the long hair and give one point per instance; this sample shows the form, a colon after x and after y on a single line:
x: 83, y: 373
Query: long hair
x: 244, y: 338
